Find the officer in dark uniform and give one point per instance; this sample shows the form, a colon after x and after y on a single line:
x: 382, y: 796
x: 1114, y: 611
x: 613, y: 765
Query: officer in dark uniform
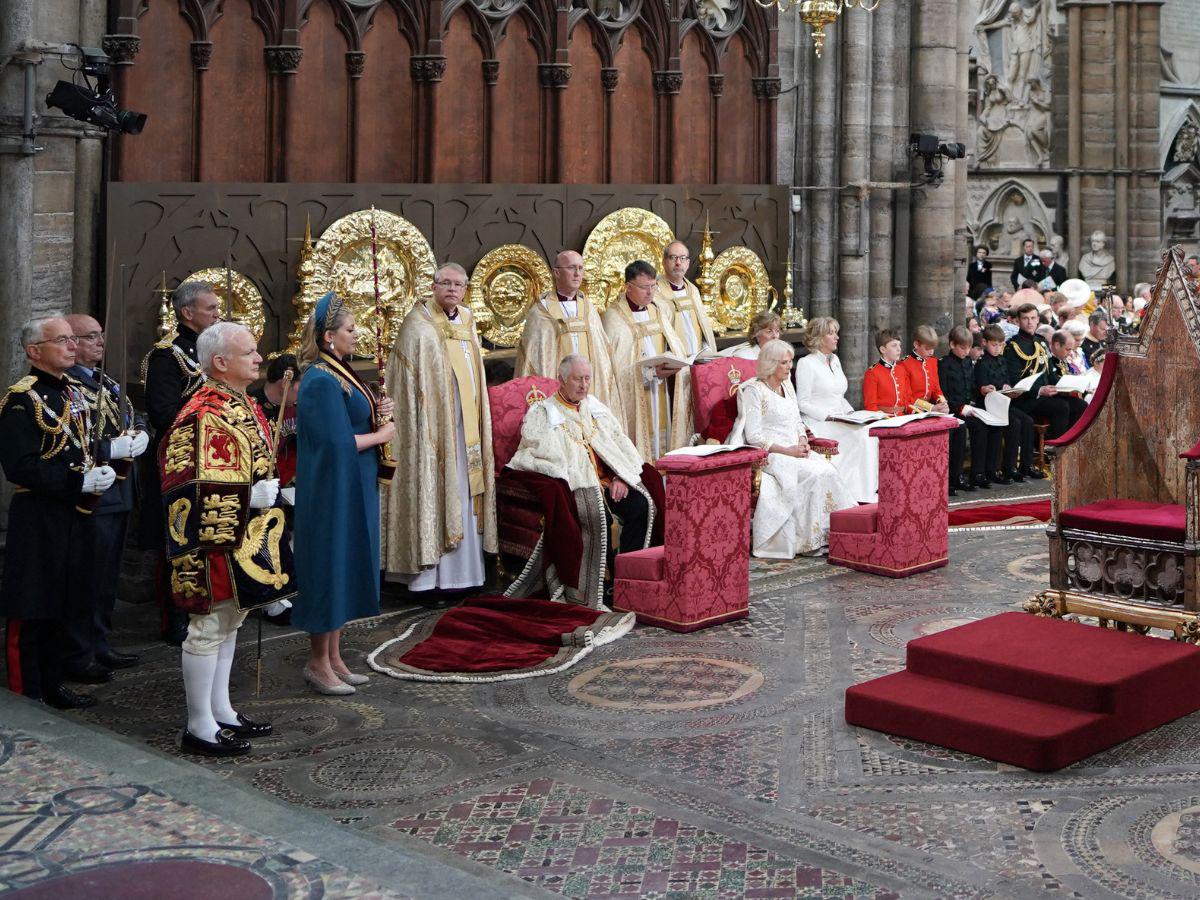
x: 45, y: 454
x: 90, y: 659
x: 171, y: 373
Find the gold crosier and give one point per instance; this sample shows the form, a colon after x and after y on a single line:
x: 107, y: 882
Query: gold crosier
x: 387, y: 460
x: 453, y: 334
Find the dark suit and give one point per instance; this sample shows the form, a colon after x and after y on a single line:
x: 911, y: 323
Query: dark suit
x: 957, y: 377
x: 979, y: 276
x: 1027, y: 268
x: 1056, y: 273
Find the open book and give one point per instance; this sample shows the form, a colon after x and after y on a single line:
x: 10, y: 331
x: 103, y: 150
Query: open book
x: 994, y: 410
x: 901, y: 421
x: 859, y: 417
x: 702, y: 450
x: 1079, y: 384
x: 670, y: 360
x: 1022, y: 386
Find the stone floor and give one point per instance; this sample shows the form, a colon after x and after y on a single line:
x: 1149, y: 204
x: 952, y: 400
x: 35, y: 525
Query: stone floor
x: 715, y: 764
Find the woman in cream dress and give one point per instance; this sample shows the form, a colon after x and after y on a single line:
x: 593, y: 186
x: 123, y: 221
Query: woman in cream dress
x: 820, y: 393
x: 764, y: 327
x: 799, y: 489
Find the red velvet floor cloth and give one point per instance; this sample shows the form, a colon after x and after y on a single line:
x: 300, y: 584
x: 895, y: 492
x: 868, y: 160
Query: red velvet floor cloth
x: 492, y: 638
x: 997, y: 513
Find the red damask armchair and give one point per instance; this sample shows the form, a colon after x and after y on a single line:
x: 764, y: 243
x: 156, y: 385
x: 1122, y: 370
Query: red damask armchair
x: 1125, y: 496
x: 518, y: 512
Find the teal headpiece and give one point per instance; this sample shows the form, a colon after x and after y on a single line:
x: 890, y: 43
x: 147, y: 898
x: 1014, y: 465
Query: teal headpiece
x: 326, y: 312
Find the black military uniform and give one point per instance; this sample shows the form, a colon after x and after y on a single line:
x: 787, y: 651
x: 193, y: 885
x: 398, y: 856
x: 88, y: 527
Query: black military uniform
x: 993, y: 371
x: 98, y: 567
x: 1027, y: 355
x: 171, y: 373
x: 44, y: 451
x: 957, y: 379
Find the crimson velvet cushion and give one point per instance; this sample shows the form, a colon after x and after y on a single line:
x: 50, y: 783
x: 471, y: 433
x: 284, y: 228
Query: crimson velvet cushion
x: 641, y: 565
x: 1131, y: 518
x: 856, y: 520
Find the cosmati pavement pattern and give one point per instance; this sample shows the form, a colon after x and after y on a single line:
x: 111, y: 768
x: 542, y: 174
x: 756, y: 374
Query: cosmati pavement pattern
x: 715, y: 764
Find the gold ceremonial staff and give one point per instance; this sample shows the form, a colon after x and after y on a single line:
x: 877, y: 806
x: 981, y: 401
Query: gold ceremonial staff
x: 387, y: 462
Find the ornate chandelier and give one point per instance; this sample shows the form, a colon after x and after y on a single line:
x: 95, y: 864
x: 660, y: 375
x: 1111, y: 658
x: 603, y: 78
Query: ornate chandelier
x: 819, y: 13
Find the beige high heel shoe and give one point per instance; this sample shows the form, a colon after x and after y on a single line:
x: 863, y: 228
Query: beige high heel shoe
x: 337, y: 689
x: 351, y: 678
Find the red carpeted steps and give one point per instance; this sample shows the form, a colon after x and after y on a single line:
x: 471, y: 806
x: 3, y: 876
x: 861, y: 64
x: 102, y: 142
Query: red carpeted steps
x: 1038, y: 693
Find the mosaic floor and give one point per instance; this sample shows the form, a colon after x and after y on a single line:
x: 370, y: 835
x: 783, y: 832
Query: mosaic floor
x: 715, y: 764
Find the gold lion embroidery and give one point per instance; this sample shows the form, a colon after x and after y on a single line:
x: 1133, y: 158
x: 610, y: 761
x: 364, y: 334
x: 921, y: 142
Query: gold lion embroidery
x: 179, y: 449
x: 219, y: 519
x: 185, y: 576
x: 177, y: 516
x: 261, y: 544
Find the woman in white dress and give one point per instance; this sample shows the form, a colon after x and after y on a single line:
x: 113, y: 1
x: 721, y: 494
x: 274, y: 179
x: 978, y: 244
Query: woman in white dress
x: 799, y: 489
x: 766, y: 326
x: 820, y: 393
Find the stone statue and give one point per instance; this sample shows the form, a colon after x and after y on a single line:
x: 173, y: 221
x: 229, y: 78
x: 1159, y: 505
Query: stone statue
x: 1024, y: 50
x: 1061, y: 256
x: 1097, y: 267
x: 1037, y: 123
x: 714, y: 14
x: 993, y: 118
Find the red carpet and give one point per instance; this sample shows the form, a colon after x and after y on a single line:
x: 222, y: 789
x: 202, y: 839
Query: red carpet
x: 498, y: 639
x: 1001, y: 513
x: 1037, y: 693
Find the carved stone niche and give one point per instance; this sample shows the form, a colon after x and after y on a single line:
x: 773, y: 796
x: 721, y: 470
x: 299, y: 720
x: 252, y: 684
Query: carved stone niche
x: 1009, y: 214
x: 1180, y: 189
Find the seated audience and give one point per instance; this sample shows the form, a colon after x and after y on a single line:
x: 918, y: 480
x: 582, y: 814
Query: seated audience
x: 1061, y: 346
x: 991, y: 374
x: 883, y: 389
x: 920, y: 370
x: 955, y: 372
x: 764, y: 328
x: 1097, y: 333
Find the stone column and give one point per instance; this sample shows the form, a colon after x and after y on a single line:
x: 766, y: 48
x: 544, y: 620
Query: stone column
x: 89, y: 174
x: 889, y: 133
x: 934, y: 104
x: 821, y: 205
x: 16, y: 187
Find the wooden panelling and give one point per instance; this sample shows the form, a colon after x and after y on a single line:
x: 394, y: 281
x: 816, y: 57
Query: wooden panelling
x: 735, y: 129
x: 633, y: 114
x: 517, y: 108
x: 317, y: 122
x: 460, y: 106
x: 385, y: 103
x: 583, y: 112
x: 162, y: 90
x: 233, y: 129
x: 693, y: 116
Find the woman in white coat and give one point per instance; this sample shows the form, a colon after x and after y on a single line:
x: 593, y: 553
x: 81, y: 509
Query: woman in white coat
x: 821, y: 393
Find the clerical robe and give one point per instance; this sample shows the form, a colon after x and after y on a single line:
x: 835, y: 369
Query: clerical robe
x: 635, y: 335
x: 439, y: 513
x: 554, y: 328
x: 684, y: 310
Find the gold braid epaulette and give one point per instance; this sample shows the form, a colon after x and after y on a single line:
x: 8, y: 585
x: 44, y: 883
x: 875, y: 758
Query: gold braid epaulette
x: 191, y: 371
x: 57, y: 433
x: 1032, y: 360
x: 21, y: 387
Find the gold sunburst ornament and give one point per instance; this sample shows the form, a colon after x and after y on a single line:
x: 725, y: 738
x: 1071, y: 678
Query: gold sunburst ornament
x: 503, y: 286
x: 246, y: 307
x: 817, y: 14
x: 616, y: 241
x: 742, y: 288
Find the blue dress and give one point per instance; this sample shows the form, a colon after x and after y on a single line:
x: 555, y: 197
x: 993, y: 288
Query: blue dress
x: 337, y: 502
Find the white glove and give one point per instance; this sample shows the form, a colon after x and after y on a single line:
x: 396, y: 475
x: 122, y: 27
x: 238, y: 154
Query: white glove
x: 99, y: 479
x: 288, y: 495
x: 263, y: 494
x: 141, y: 441
x: 278, y: 607
x: 120, y: 447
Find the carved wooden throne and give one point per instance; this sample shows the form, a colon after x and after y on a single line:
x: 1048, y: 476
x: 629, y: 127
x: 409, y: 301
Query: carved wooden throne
x: 1126, y: 491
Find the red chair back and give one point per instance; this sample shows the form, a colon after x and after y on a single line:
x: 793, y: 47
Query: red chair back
x: 509, y: 402
x: 714, y: 392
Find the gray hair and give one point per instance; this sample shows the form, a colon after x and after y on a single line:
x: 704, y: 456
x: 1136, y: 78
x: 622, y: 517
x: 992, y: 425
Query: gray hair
x: 452, y: 266
x: 1046, y: 251
x: 568, y: 364
x: 186, y: 295
x: 1141, y: 287
x: 35, y: 330
x: 214, y: 341
x: 1076, y: 328
x: 1097, y: 317
x: 771, y: 355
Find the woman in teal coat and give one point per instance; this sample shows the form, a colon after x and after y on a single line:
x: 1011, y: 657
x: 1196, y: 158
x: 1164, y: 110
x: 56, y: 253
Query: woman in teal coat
x: 337, y: 498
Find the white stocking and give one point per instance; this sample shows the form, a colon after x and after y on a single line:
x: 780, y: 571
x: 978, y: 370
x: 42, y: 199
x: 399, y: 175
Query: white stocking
x: 222, y: 710
x: 198, y: 674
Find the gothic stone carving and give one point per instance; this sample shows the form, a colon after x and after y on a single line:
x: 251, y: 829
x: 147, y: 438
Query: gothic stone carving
x: 284, y: 60
x: 554, y: 75
x: 428, y: 68
x: 121, y: 48
x: 201, y: 54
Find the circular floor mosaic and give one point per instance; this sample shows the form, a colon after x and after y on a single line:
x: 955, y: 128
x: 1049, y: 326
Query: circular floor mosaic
x: 661, y: 683
x: 380, y: 769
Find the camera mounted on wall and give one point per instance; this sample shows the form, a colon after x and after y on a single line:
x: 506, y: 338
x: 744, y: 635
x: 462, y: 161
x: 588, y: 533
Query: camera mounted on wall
x: 93, y: 100
x: 931, y: 151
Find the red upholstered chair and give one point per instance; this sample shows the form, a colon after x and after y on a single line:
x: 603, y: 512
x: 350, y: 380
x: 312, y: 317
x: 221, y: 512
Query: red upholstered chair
x: 700, y: 576
x: 1125, y: 510
x: 518, y: 514
x: 906, y: 531
x: 714, y: 398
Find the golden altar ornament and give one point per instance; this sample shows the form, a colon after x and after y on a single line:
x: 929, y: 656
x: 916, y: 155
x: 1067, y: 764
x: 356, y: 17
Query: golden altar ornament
x: 741, y: 288
x: 246, y: 307
x: 616, y: 241
x: 341, y: 262
x: 503, y: 286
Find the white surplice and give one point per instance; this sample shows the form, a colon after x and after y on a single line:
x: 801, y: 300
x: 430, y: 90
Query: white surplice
x: 796, y: 495
x: 820, y: 392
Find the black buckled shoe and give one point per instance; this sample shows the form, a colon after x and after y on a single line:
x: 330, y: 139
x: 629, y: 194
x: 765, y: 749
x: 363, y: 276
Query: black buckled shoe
x: 1034, y: 473
x: 1001, y: 478
x: 115, y: 659
x: 92, y: 673
x: 248, y: 728
x: 226, y: 744
x: 982, y: 482
x: 964, y: 483
x: 1016, y: 476
x: 65, y: 698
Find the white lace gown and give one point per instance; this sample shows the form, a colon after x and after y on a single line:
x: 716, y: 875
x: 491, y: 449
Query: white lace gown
x: 795, y: 496
x: 821, y: 391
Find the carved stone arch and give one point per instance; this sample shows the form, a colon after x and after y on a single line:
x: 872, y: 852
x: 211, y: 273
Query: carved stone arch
x: 602, y: 39
x: 411, y: 26
x: 346, y: 21
x: 261, y: 13
x: 700, y: 10
x: 538, y: 35
x: 655, y: 29
x: 193, y: 11
x: 1011, y: 199
x: 1185, y: 118
x: 756, y: 37
x: 708, y: 44
x: 481, y: 27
